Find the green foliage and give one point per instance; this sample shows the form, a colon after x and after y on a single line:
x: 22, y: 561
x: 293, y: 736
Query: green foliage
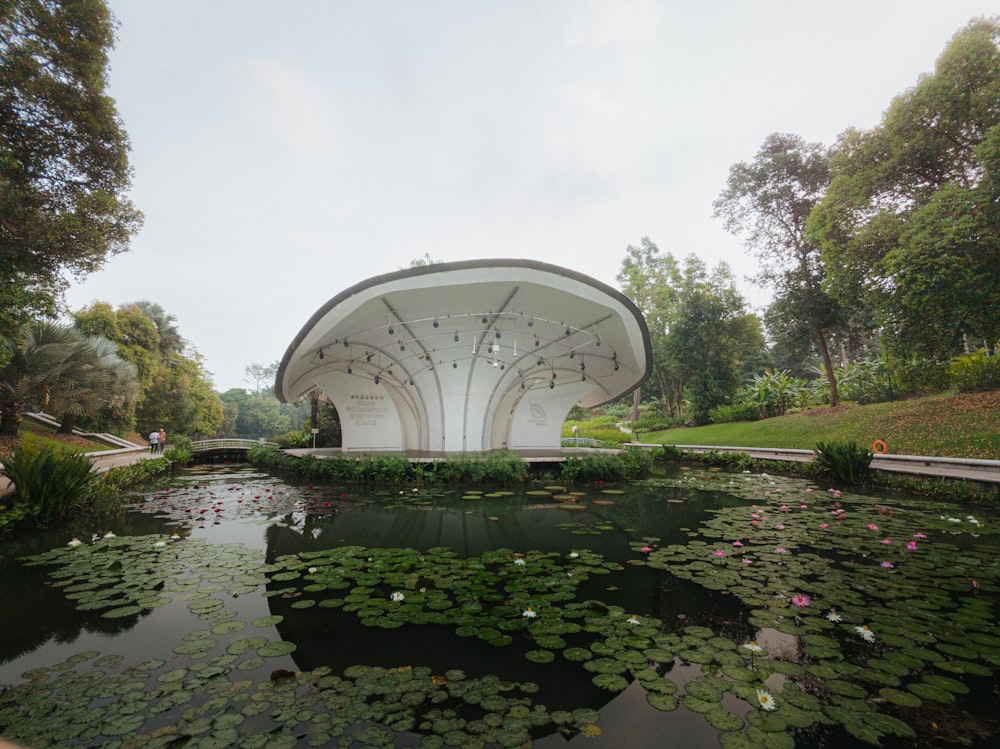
x: 630, y: 463
x: 918, y: 375
x: 735, y: 412
x: 112, y: 483
x: 864, y: 381
x: 844, y: 462
x: 49, y: 482
x: 64, y: 171
x: 975, y: 371
x: 294, y: 438
x: 909, y: 225
x: 774, y: 393
x: 768, y: 203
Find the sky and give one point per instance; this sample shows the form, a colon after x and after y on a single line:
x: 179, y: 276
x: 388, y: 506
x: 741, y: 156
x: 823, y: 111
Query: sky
x: 285, y: 151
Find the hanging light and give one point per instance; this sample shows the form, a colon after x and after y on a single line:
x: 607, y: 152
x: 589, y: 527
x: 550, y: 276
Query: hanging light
x: 498, y: 334
x: 456, y: 337
x: 391, y: 329
x: 376, y: 379
x: 346, y: 343
x: 568, y: 331
x: 435, y: 323
x: 321, y: 353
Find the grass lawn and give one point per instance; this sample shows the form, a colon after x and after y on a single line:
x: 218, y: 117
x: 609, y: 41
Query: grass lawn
x: 964, y: 425
x: 42, y: 434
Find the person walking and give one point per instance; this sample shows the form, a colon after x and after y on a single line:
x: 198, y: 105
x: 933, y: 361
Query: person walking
x: 154, y: 441
x: 163, y: 440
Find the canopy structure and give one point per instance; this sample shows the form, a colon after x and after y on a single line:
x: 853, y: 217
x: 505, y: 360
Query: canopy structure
x: 467, y: 356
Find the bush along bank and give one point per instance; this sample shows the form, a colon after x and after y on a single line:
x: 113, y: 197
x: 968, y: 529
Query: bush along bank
x: 500, y: 468
x: 52, y: 485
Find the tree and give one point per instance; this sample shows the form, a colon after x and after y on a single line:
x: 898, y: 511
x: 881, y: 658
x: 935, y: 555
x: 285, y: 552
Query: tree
x: 181, y: 400
x: 33, y: 358
x: 261, y: 376
x: 175, y: 391
x: 714, y: 341
x: 64, y: 169
x: 768, y: 202
x: 911, y: 221
x: 171, y: 341
x: 93, y: 377
x: 651, y: 279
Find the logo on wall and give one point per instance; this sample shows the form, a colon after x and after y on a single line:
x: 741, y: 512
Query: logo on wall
x: 537, y: 414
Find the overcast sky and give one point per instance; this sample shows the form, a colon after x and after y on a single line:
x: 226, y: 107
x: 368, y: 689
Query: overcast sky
x: 284, y: 151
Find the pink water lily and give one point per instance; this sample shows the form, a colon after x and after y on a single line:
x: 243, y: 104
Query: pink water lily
x: 888, y: 565
x: 800, y: 600
x: 886, y: 541
x: 719, y: 553
x: 780, y: 550
x: 737, y: 543
x: 824, y: 525
x: 912, y: 546
x: 872, y: 527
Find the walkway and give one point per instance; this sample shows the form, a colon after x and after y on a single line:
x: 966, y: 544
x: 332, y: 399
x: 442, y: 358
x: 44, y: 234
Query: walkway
x: 967, y: 469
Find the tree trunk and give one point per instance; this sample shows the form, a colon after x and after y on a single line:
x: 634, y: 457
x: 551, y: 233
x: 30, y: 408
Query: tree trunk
x: 10, y: 418
x: 68, y: 424
x: 636, y: 396
x: 828, y: 366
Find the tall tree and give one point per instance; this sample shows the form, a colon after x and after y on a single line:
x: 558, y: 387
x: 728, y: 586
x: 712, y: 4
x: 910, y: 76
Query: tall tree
x: 64, y: 169
x: 171, y: 341
x: 911, y: 221
x: 768, y: 202
x: 713, y: 341
x: 651, y: 279
x: 261, y: 376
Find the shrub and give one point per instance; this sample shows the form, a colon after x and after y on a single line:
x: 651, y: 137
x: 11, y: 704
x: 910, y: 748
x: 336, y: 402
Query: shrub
x: 844, y: 461
x: 295, y: 438
x: 976, y: 370
x: 631, y: 463
x: 865, y: 381
x: 735, y: 412
x: 49, y: 482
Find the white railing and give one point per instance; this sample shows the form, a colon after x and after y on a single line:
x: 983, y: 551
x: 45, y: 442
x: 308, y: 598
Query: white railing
x: 229, y: 444
x: 581, y: 442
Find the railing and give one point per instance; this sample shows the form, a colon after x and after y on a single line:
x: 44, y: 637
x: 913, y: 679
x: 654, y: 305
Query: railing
x: 581, y: 442
x: 228, y: 444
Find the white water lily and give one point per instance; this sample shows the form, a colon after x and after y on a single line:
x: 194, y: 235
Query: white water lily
x: 397, y: 596
x: 866, y: 633
x: 75, y: 542
x: 109, y: 534
x: 633, y: 620
x: 175, y: 537
x: 529, y: 613
x: 313, y: 570
x: 160, y: 544
x: 753, y: 647
x: 833, y: 616
x: 520, y: 562
x: 573, y: 555
x: 765, y: 700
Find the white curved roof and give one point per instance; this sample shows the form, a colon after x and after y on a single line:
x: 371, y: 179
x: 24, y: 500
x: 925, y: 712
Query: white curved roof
x: 467, y: 356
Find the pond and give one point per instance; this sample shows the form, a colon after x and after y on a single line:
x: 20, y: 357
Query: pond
x: 238, y: 608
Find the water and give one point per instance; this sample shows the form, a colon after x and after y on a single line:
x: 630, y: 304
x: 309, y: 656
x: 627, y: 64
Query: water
x: 247, y: 538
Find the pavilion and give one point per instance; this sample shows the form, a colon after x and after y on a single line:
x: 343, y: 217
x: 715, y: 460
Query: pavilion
x: 467, y: 356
